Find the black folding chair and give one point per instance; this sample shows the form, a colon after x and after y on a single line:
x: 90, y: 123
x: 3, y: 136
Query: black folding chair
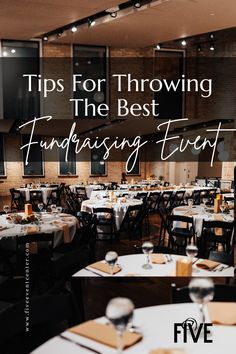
x: 105, y: 220
x: 17, y: 199
x: 215, y: 232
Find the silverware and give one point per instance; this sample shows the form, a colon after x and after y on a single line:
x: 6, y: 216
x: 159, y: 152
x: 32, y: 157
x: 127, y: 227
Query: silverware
x: 92, y: 271
x: 220, y: 269
x: 79, y: 344
x: 193, y: 262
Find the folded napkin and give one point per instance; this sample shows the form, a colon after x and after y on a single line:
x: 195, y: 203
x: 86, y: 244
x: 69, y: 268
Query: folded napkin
x: 223, y: 313
x: 157, y: 258
x: 207, y: 264
x: 32, y: 229
x: 104, y: 267
x: 104, y: 334
x: 218, y: 230
x: 168, y: 351
x: 184, y: 208
x: 33, y: 248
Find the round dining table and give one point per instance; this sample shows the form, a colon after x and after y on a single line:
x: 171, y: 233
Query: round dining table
x: 200, y: 213
x: 46, y: 191
x: 127, y: 190
x: 58, y: 224
x: 120, y: 207
x: 131, y: 265
x: 156, y: 325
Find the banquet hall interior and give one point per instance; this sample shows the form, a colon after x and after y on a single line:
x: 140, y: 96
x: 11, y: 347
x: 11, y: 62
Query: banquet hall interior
x: 157, y: 223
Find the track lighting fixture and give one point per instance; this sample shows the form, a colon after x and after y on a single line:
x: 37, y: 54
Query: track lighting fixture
x: 91, y: 22
x: 73, y: 29
x: 137, y: 4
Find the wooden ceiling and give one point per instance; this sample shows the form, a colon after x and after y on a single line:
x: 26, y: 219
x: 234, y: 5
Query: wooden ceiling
x: 164, y: 20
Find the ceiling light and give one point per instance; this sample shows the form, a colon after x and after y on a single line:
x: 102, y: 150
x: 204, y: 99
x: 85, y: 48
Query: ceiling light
x: 74, y: 29
x: 199, y: 48
x: 212, y: 48
x: 137, y: 4
x: 212, y: 36
x: 45, y: 38
x: 184, y: 43
x: 158, y: 46
x: 112, y: 11
x: 4, y: 53
x: 91, y: 22
x: 13, y: 51
x: 59, y: 34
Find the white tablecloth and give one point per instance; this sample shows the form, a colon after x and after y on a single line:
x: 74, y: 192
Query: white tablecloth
x: 45, y: 192
x: 47, y: 226
x: 132, y: 266
x: 157, y: 326
x: 119, y: 208
x: 199, y: 214
x: 133, y: 192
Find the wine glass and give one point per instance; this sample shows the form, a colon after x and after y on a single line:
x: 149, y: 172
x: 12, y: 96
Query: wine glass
x: 40, y: 207
x: 222, y: 208
x: 191, y: 251
x: 119, y: 312
x: 205, y: 200
x: 59, y: 210
x: 201, y: 291
x: 53, y: 208
x: 111, y: 258
x: 6, y: 208
x: 147, y: 248
x: 190, y: 203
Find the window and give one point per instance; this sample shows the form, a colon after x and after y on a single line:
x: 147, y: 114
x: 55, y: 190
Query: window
x: 169, y: 65
x: 20, y: 58
x: 136, y: 169
x: 90, y: 62
x: 98, y: 165
x: 2, y: 160
x: 67, y: 168
x: 35, y: 158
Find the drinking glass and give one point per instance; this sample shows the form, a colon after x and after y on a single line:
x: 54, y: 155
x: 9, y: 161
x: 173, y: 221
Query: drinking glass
x: 205, y: 200
x: 111, y: 258
x: 191, y: 251
x: 59, y: 210
x: 6, y: 208
x: 119, y: 312
x: 40, y: 206
x: 147, y: 248
x: 54, y: 209
x: 201, y: 291
x: 190, y: 203
x: 222, y: 208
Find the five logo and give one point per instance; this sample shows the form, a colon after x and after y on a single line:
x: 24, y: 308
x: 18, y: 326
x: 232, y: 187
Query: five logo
x: 190, y: 328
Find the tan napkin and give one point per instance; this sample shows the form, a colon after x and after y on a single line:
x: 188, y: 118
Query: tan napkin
x: 157, y: 258
x: 66, y: 233
x: 104, y: 334
x: 168, y: 351
x: 207, y: 264
x: 223, y: 313
x: 218, y: 230
x: 32, y: 229
x: 104, y: 267
x: 33, y: 248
